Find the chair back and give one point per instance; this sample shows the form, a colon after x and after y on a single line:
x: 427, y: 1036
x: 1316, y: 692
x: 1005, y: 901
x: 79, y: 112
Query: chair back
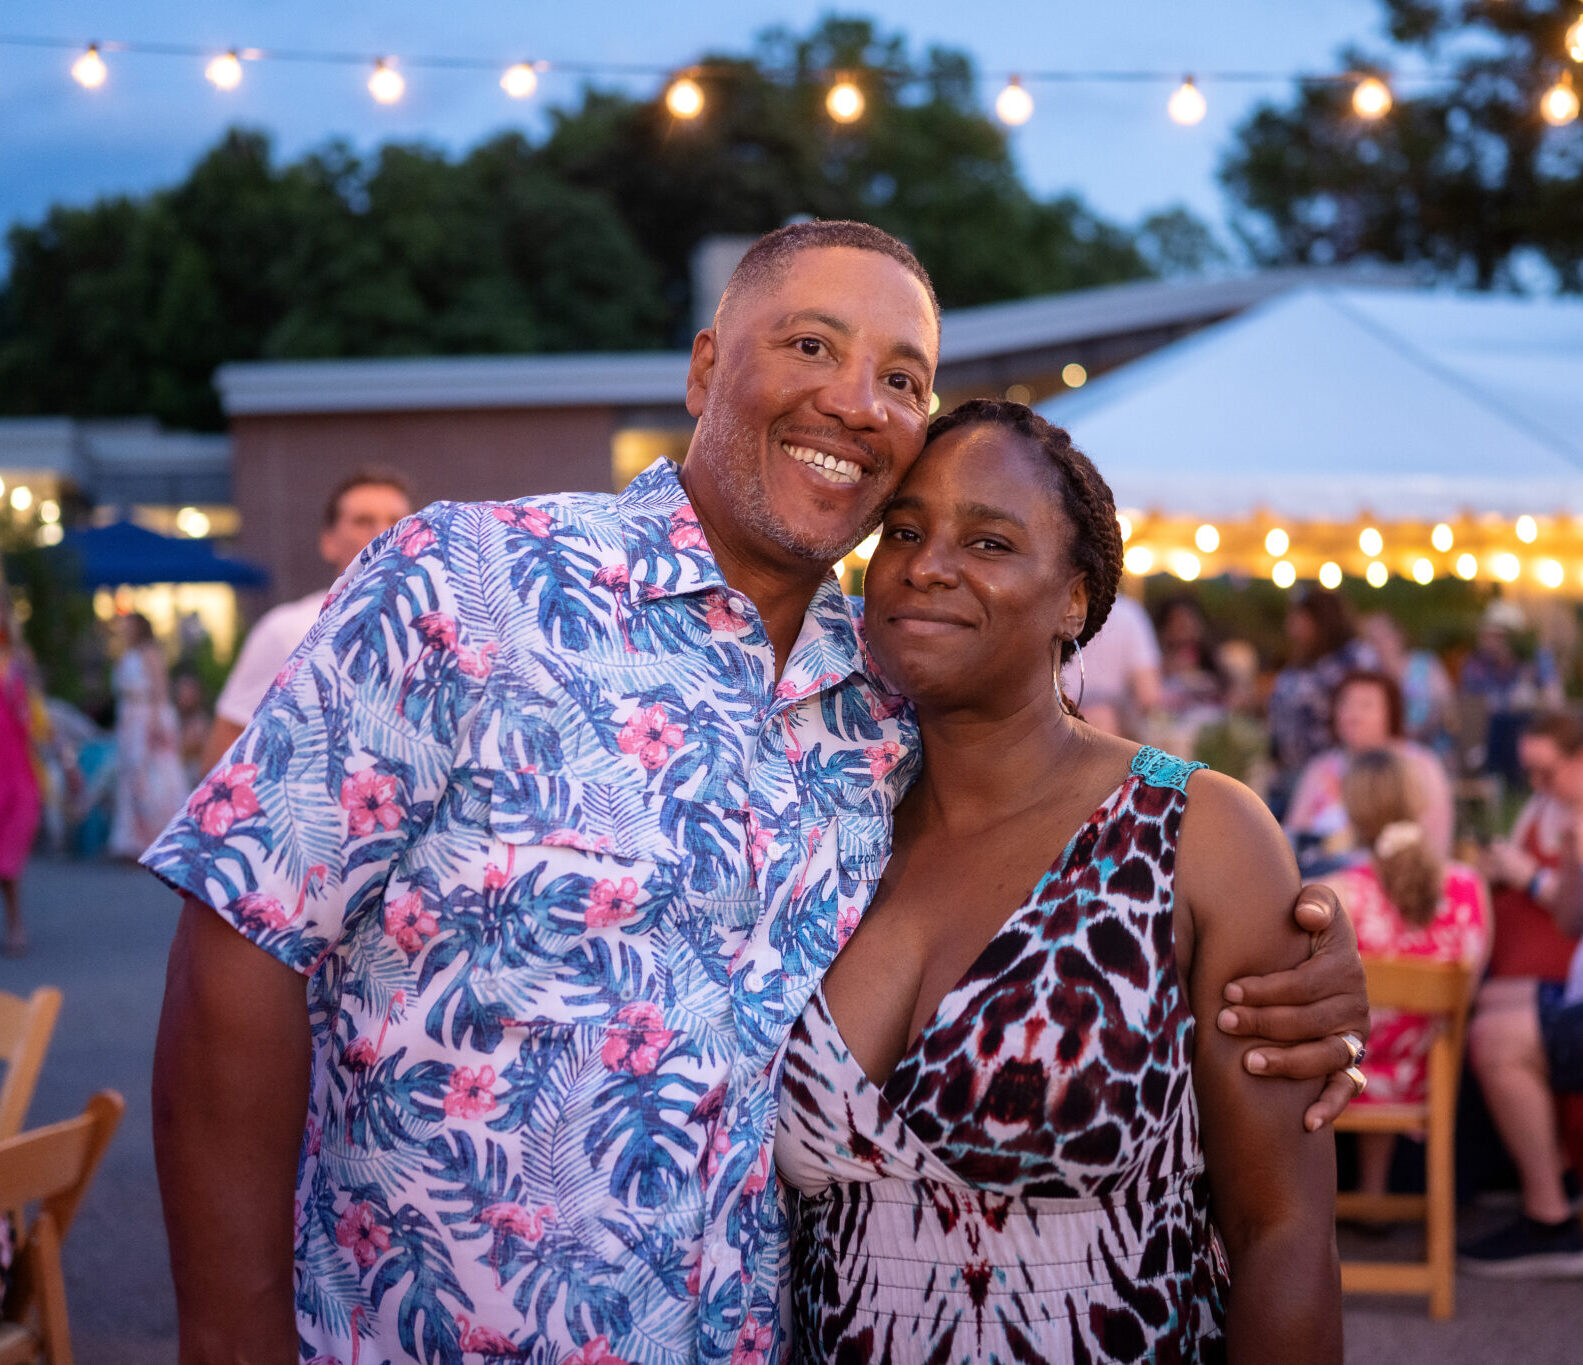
x: 25, y: 1029
x: 54, y: 1165
x: 1419, y: 986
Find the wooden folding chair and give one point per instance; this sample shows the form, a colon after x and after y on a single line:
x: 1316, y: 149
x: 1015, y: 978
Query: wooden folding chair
x: 1444, y: 990
x: 25, y: 1029
x: 53, y: 1168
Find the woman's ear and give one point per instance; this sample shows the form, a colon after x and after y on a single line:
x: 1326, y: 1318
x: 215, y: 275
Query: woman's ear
x: 1076, y: 614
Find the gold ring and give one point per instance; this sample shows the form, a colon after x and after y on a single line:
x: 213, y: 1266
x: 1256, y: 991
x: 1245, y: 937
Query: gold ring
x: 1355, y: 1049
x: 1359, y: 1081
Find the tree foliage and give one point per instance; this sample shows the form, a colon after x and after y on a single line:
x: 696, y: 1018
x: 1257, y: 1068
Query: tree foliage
x: 581, y: 241
x: 1462, y: 178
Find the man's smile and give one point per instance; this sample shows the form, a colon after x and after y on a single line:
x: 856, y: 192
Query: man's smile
x: 832, y: 467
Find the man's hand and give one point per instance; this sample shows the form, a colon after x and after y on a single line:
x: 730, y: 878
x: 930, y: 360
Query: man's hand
x: 1307, y: 1008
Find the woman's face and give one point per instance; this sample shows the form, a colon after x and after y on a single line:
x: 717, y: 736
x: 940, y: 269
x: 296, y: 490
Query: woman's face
x: 972, y: 582
x: 1363, y: 717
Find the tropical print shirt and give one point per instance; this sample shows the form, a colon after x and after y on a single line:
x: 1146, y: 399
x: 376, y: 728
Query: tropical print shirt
x: 562, y: 862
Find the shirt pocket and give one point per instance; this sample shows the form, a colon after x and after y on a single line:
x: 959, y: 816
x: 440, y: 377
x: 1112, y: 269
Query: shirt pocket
x: 862, y: 850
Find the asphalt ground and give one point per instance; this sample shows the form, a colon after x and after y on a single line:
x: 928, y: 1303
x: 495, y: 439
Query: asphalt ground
x: 100, y: 931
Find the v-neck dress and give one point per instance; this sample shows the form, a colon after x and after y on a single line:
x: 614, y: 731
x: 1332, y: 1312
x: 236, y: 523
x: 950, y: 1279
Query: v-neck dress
x: 1028, y: 1185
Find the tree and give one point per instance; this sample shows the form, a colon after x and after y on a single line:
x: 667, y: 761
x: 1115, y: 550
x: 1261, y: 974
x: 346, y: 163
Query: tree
x: 1463, y: 178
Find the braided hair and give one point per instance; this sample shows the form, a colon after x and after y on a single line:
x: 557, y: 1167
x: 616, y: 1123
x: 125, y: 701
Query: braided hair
x: 1085, y: 498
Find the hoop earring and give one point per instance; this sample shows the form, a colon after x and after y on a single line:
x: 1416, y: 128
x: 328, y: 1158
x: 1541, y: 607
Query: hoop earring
x: 1082, y: 680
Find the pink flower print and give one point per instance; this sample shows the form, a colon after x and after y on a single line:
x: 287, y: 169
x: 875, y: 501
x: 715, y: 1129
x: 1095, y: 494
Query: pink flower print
x: 616, y: 577
x: 359, y: 1056
x: 436, y: 628
x: 414, y: 537
x: 595, y: 1352
x: 369, y: 798
x: 477, y: 663
x: 359, y: 1229
x: 651, y: 735
x: 720, y: 615
x: 472, y: 1092
x: 288, y: 672
x: 636, y: 1039
x: 483, y: 1340
x: 518, y: 1221
x: 882, y: 758
x: 609, y: 904
x: 258, y: 911
x: 494, y: 878
x: 686, y: 533
x: 226, y: 797
x: 535, y: 521
x: 753, y: 1343
x: 410, y: 922
x: 846, y: 922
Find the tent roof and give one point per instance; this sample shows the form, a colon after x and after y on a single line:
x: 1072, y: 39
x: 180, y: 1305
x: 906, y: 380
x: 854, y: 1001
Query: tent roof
x: 1326, y: 402
x: 124, y: 552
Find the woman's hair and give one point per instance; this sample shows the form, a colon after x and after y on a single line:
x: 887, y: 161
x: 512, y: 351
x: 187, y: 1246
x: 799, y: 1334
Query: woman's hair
x: 1331, y: 617
x: 1395, y: 718
x: 1564, y: 729
x: 1204, y: 646
x: 1382, y: 808
x: 139, y: 630
x: 1085, y: 498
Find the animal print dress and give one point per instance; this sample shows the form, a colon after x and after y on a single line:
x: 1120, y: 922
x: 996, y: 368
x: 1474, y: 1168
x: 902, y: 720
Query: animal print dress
x: 1028, y: 1184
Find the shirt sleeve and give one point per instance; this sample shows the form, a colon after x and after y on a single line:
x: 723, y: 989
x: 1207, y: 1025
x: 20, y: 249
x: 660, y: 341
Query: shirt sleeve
x: 293, y: 835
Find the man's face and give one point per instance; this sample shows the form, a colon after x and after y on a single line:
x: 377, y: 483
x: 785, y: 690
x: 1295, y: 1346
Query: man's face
x: 364, y: 512
x: 812, y: 399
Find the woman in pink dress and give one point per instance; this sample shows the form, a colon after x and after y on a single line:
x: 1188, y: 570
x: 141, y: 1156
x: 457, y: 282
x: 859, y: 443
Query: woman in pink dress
x: 1404, y: 902
x: 150, y: 785
x: 19, y: 791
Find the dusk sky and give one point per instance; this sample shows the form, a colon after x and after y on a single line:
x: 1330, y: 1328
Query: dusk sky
x: 1113, y: 143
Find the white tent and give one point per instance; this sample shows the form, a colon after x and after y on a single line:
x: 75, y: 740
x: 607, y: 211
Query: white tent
x: 1324, y: 404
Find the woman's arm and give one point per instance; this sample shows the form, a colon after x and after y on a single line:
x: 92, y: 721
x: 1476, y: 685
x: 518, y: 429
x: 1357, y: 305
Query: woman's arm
x: 1272, y: 1182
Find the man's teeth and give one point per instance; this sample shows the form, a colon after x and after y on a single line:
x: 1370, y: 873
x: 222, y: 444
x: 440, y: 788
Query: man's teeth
x: 831, y: 466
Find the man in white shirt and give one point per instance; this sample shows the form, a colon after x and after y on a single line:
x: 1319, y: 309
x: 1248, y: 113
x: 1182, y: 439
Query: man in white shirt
x: 1121, y: 671
x: 363, y: 504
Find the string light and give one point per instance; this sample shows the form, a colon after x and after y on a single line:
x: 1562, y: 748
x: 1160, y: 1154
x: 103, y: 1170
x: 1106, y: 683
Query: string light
x: 1574, y: 40
x: 1186, y: 106
x: 1376, y: 574
x: 519, y: 81
x: 1371, y: 98
x: 224, y: 72
x: 1207, y: 538
x: 1185, y: 565
x: 1277, y: 542
x: 684, y: 98
x: 1550, y: 573
x: 21, y: 497
x: 934, y: 404
x: 1506, y: 567
x: 49, y: 511
x: 1330, y: 575
x: 1423, y: 571
x: 1467, y: 567
x: 1527, y: 529
x: 1124, y: 525
x: 844, y: 103
x: 89, y: 70
x: 1441, y: 538
x: 386, y: 84
x: 1073, y: 375
x: 1138, y: 560
x: 1559, y: 104
x: 1370, y: 541
x: 1014, y: 105
x: 1284, y: 574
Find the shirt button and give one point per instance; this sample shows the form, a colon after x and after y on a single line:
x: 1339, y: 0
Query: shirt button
x: 737, y: 605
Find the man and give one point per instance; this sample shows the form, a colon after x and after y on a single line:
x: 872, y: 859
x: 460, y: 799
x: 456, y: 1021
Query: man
x: 559, y: 811
x: 362, y: 505
x: 1525, y: 1043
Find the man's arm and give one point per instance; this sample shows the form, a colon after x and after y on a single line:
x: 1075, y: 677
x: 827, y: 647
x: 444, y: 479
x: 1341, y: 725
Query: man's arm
x: 223, y: 734
x: 1307, y: 1008
x: 231, y: 1070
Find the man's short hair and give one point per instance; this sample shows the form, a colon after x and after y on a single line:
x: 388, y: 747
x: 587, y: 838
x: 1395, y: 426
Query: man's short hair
x: 765, y: 263
x: 1563, y: 728
x: 366, y: 476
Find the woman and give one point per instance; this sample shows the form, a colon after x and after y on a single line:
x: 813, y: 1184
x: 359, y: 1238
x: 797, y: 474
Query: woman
x: 1404, y: 901
x: 20, y: 803
x: 987, y: 1109
x: 149, y: 784
x: 1429, y: 700
x: 1365, y: 714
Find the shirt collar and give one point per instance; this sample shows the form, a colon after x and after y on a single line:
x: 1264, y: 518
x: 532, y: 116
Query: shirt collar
x: 667, y: 554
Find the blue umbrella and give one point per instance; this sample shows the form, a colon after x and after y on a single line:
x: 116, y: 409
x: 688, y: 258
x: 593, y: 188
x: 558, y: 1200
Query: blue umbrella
x: 124, y: 552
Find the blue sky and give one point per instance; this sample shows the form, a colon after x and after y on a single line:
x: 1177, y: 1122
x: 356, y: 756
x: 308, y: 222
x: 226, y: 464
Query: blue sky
x: 1111, y: 143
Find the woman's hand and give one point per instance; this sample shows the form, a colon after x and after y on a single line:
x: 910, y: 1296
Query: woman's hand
x: 1309, y: 1008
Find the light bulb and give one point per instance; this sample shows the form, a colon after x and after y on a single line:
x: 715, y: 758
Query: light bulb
x: 49, y: 510
x: 1527, y: 529
x: 1423, y: 571
x: 89, y: 69
x: 1284, y: 574
x: 844, y: 102
x: 1139, y: 560
x: 519, y: 81
x: 1376, y: 574
x: 1014, y: 105
x: 1441, y: 538
x: 684, y: 98
x: 386, y: 84
x: 1187, y: 105
x: 1506, y: 567
x: 224, y: 72
x: 1207, y: 538
x: 1370, y: 541
x: 1467, y: 567
x: 1185, y: 565
x: 1124, y: 525
x: 1559, y: 104
x: 21, y: 497
x: 1550, y: 573
x: 1073, y: 375
x: 1330, y: 575
x: 1371, y: 98
x: 1277, y: 542
x: 1574, y: 40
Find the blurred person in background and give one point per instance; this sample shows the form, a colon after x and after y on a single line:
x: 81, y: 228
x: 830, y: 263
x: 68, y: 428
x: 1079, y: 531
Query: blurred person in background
x: 20, y: 803
x: 1525, y: 1043
x: 150, y: 785
x: 1429, y: 700
x: 1189, y: 670
x: 193, y: 722
x: 366, y: 502
x: 1404, y: 901
x: 1366, y: 713
x: 1321, y: 650
x: 1120, y: 671
x: 1505, y: 680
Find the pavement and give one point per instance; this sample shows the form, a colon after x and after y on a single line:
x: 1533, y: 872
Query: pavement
x: 100, y: 931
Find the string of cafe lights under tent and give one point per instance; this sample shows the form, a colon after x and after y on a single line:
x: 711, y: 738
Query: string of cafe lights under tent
x: 686, y: 98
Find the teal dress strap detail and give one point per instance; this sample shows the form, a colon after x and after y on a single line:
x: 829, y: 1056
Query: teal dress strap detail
x: 1160, y: 769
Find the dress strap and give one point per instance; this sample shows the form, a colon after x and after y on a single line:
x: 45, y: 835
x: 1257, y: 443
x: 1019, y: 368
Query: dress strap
x: 1160, y: 769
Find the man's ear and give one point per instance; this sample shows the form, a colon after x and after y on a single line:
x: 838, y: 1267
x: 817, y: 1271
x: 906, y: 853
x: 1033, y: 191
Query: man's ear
x: 701, y: 370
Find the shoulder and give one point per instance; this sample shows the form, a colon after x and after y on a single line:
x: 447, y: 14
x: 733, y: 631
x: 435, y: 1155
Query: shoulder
x: 1232, y: 845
